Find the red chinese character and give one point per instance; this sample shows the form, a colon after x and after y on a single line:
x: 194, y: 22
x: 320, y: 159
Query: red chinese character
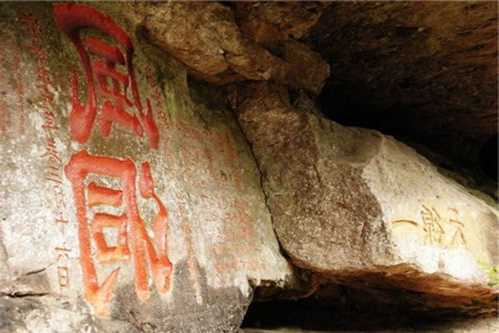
x: 101, y: 61
x: 133, y: 240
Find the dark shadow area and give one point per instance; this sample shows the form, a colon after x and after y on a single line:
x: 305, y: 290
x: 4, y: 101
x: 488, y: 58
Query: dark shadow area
x: 309, y: 315
x: 339, y: 103
x: 488, y: 158
x: 352, y: 105
x: 340, y: 307
x: 397, y: 68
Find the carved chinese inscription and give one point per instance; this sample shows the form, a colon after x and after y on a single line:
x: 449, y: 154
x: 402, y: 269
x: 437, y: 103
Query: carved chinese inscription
x: 437, y: 230
x: 53, y: 173
x: 100, y: 60
x: 109, y: 102
x: 133, y: 242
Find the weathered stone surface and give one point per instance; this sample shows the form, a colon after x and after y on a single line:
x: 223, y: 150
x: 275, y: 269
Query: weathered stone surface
x: 304, y: 69
x: 270, y: 22
x: 136, y: 208
x: 206, y: 38
x: 358, y: 207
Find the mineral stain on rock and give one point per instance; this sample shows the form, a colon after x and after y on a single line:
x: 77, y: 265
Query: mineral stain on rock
x: 220, y: 310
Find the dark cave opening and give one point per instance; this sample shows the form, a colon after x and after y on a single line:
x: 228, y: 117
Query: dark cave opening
x: 297, y: 314
x: 338, y: 103
x: 351, y: 104
x: 336, y: 307
x: 340, y: 307
x: 306, y: 315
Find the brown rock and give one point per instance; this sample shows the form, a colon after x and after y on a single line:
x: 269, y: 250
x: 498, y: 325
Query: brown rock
x: 304, y: 68
x: 206, y: 38
x: 269, y: 22
x: 198, y: 34
x: 356, y: 206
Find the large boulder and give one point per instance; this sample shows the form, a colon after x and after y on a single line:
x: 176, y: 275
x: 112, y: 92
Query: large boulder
x: 358, y: 207
x: 130, y: 202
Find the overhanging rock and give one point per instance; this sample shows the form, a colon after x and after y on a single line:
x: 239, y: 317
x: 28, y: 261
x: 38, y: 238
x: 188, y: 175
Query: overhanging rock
x: 207, y: 39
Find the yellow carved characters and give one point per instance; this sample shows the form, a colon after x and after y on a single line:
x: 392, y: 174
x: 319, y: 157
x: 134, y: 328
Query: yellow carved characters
x: 446, y: 232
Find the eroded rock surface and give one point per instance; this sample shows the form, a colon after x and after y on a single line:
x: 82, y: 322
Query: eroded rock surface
x: 359, y: 207
x: 207, y: 39
x: 126, y: 203
x: 269, y: 22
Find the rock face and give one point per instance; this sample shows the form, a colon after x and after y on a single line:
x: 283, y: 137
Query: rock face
x: 126, y: 205
x: 207, y: 39
x: 134, y: 200
x: 358, y: 207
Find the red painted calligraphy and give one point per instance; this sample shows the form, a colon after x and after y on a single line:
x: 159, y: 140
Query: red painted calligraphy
x: 101, y: 61
x: 106, y: 54
x: 133, y: 241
